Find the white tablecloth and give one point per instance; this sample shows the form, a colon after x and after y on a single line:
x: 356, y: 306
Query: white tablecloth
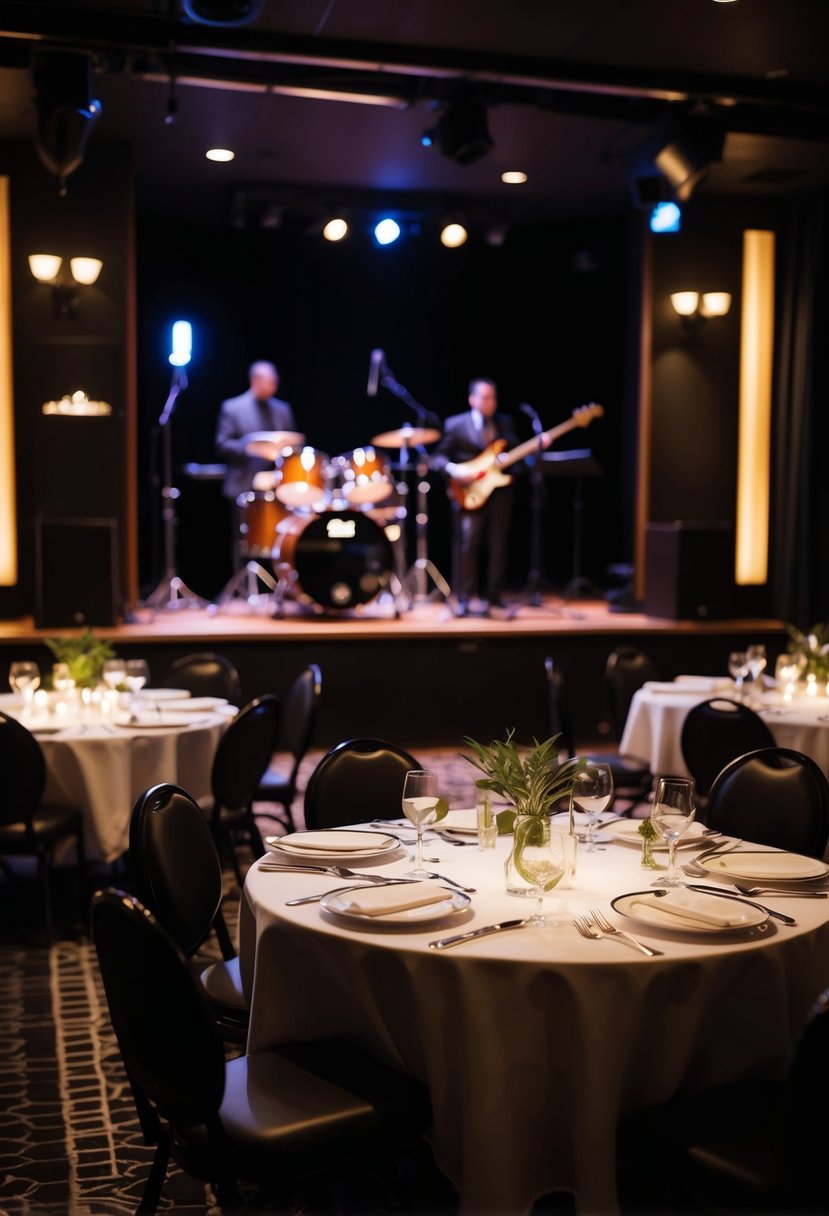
x: 532, y: 1042
x: 102, y: 768
x: 654, y: 724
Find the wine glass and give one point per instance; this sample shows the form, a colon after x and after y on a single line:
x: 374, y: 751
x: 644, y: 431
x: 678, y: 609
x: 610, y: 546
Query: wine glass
x: 591, y: 794
x: 540, y: 859
x: 756, y: 662
x: 114, y: 673
x: 24, y: 677
x: 420, y: 800
x: 136, y: 675
x: 672, y: 812
x: 738, y: 670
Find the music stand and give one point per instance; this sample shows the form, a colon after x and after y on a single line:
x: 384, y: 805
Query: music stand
x: 172, y: 592
x: 578, y: 464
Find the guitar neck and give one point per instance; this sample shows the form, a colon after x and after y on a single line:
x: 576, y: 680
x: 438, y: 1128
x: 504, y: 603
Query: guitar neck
x: 531, y: 445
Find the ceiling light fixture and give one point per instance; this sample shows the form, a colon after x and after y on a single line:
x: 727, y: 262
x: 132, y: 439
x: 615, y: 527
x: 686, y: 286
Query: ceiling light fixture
x: 462, y: 132
x: 453, y: 234
x: 514, y: 177
x: 335, y: 229
x: 220, y: 155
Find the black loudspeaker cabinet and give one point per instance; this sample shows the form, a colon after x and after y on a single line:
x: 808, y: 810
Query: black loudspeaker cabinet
x: 690, y: 570
x: 76, y: 561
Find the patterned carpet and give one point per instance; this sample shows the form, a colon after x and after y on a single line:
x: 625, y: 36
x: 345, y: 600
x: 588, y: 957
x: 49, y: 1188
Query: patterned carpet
x: 69, y: 1138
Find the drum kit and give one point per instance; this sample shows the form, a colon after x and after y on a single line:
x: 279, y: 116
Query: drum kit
x: 333, y: 529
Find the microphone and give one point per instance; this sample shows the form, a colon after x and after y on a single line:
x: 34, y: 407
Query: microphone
x: 376, y: 366
x: 528, y: 410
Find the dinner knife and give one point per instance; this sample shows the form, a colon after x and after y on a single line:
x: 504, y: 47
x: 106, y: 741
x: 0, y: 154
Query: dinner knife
x: 443, y: 943
x: 787, y: 920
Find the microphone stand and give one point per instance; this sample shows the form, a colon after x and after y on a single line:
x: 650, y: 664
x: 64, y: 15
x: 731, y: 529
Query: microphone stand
x: 172, y: 592
x: 415, y: 582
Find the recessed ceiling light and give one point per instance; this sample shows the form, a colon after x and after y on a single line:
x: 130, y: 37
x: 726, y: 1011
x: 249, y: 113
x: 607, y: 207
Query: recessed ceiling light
x: 335, y: 230
x: 220, y: 154
x: 513, y: 177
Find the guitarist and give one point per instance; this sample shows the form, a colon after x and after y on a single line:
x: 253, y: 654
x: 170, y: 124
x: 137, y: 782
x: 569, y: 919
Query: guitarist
x: 466, y: 436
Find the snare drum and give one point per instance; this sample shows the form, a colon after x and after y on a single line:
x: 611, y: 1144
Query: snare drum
x: 260, y: 513
x: 361, y: 477
x: 340, y: 559
x: 301, y: 477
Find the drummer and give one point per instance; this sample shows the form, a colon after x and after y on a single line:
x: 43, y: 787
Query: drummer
x: 258, y: 409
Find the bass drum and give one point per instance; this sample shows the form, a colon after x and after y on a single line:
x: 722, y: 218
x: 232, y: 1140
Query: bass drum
x: 340, y: 559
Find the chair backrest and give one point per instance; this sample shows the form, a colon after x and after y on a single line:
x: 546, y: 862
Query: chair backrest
x: 774, y: 796
x: 626, y: 670
x: 175, y: 865
x: 358, y: 780
x: 717, y: 731
x: 166, y: 1032
x: 299, y: 717
x: 205, y: 674
x: 244, y: 752
x: 23, y: 766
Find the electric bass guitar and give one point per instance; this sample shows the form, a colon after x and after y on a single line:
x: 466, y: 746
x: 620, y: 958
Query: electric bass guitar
x: 487, y: 468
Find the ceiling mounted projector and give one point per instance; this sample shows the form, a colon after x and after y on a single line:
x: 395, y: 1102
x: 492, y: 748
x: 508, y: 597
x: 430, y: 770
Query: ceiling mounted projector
x: 223, y: 12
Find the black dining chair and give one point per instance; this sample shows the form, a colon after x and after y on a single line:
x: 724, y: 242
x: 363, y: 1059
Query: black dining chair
x: 632, y: 777
x: 754, y: 1146
x: 296, y: 733
x: 775, y: 796
x: 356, y: 781
x: 30, y: 828
x: 240, y: 761
x: 176, y: 871
x: 205, y: 674
x: 268, y: 1118
x: 714, y: 732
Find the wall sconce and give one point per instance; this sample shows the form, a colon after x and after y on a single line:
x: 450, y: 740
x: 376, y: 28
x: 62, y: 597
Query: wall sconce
x: 46, y: 268
x: 695, y: 308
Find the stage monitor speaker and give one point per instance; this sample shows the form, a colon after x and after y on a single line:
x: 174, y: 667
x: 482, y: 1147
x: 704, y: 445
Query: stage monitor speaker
x: 76, y: 563
x: 689, y: 570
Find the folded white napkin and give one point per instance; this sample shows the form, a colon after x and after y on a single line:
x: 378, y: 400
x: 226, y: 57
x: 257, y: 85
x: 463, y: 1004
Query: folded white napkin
x: 380, y: 901
x: 694, y: 910
x: 690, y: 684
x: 334, y: 841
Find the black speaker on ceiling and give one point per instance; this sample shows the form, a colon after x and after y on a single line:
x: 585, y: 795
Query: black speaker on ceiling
x: 689, y: 570
x: 76, y: 564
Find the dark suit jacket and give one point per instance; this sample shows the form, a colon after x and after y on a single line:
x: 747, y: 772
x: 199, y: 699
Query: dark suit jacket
x: 239, y: 417
x: 460, y: 440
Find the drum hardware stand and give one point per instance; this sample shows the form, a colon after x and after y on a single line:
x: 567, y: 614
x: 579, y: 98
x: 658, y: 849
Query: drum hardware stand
x: 244, y: 585
x: 172, y: 592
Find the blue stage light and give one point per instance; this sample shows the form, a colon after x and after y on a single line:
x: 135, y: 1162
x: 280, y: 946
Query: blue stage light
x: 386, y: 231
x: 665, y: 217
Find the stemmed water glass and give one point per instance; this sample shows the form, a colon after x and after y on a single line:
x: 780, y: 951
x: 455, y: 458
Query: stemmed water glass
x: 420, y: 800
x: 738, y: 670
x: 540, y: 858
x: 136, y: 675
x: 756, y: 663
x: 591, y: 794
x: 672, y: 812
x: 24, y: 677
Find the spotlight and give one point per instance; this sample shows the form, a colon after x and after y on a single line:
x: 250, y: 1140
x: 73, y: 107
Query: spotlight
x: 665, y: 217
x: 335, y: 230
x: 66, y: 110
x: 463, y: 131
x: 386, y: 231
x: 223, y: 12
x: 453, y: 235
x: 690, y: 147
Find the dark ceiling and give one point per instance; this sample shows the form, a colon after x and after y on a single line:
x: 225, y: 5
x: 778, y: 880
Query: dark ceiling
x: 577, y: 93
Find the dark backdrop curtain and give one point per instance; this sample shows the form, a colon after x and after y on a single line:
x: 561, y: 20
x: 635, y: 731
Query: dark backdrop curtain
x: 800, y: 582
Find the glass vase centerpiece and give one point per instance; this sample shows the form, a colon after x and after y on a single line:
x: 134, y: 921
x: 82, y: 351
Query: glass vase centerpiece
x: 536, y: 783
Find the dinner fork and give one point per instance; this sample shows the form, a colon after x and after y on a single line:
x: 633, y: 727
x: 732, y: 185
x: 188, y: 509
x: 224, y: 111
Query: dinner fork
x: 605, y: 926
x: 335, y: 871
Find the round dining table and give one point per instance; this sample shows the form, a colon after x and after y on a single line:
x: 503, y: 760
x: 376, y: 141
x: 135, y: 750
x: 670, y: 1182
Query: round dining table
x: 533, y: 1042
x: 101, y: 762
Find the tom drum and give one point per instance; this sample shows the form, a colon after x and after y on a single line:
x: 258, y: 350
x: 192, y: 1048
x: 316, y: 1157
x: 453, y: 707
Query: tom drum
x: 259, y: 515
x: 362, y: 477
x: 340, y: 559
x: 301, y: 477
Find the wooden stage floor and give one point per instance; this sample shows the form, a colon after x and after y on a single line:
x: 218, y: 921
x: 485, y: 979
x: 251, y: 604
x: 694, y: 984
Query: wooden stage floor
x: 424, y: 677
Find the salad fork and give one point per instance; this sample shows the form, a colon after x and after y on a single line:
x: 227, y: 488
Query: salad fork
x: 609, y: 930
x: 335, y: 871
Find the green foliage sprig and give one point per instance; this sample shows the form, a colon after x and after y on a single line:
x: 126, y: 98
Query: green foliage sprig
x: 531, y: 780
x: 814, y: 646
x: 84, y: 654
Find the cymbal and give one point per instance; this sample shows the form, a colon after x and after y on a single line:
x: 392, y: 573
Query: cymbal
x: 268, y: 444
x: 406, y: 437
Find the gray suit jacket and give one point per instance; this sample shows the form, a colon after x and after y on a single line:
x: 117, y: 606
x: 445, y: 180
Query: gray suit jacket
x: 238, y: 418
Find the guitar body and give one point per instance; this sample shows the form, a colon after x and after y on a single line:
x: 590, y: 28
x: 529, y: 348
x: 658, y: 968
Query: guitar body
x: 488, y: 477
x: 487, y: 468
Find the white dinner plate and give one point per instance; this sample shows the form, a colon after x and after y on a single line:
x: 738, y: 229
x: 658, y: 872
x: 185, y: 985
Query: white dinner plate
x: 627, y: 831
x: 340, y: 844
x: 336, y: 903
x: 163, y: 694
x: 189, y: 705
x: 764, y: 867
x: 153, y: 721
x: 51, y: 728
x: 745, y: 914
